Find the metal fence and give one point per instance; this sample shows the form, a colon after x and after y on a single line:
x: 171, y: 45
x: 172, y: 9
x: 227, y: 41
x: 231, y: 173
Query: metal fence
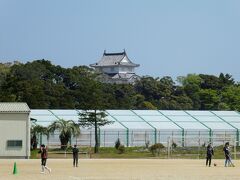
x: 131, y: 138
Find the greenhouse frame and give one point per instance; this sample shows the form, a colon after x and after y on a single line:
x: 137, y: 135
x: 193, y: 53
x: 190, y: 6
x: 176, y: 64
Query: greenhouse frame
x: 146, y: 127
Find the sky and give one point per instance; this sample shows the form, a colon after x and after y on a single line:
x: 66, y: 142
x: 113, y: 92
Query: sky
x: 167, y: 38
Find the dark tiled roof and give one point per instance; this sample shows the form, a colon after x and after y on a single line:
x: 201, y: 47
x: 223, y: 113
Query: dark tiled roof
x: 113, y: 59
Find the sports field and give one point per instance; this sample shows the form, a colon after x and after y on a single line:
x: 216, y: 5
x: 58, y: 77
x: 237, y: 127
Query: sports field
x: 120, y: 169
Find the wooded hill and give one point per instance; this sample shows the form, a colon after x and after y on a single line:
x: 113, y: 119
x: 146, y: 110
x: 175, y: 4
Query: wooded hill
x: 44, y: 85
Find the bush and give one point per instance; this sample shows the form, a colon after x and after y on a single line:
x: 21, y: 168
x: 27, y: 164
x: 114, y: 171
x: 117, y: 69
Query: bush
x: 69, y: 148
x: 174, y: 145
x: 34, y: 154
x: 155, y: 149
x: 147, y: 144
x: 117, y: 143
x: 121, y: 149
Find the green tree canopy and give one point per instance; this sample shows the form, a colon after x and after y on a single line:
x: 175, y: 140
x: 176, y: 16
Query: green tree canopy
x: 44, y: 85
x: 93, y: 119
x: 67, y: 129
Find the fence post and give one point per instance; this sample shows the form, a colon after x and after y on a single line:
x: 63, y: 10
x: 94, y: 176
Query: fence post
x: 104, y: 139
x: 235, y: 149
x: 237, y: 137
x: 99, y: 137
x: 65, y: 154
x: 127, y: 137
x: 184, y: 139
x: 168, y: 147
x: 90, y: 138
x: 199, y: 144
x: 159, y: 140
x: 40, y: 138
x: 145, y: 137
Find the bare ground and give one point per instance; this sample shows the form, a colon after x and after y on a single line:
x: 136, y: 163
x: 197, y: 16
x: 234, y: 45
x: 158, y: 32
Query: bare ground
x: 120, y: 169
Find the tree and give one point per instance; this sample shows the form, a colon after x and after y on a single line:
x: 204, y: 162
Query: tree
x: 231, y: 97
x: 149, y: 88
x: 93, y: 114
x: 41, y: 84
x: 191, y: 84
x: 93, y: 118
x: 4, y: 70
x: 210, y: 82
x: 209, y: 99
x: 226, y: 80
x: 67, y: 129
x: 159, y: 93
x: 35, y: 130
x: 124, y: 95
x: 148, y: 105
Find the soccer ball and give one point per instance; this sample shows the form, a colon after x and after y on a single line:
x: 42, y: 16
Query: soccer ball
x: 215, y: 164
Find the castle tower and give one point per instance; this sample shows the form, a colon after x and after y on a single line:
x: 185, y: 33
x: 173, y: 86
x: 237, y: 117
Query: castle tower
x: 116, y: 68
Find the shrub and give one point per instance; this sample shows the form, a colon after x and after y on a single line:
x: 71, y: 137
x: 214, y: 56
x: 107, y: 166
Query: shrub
x: 121, y: 149
x: 155, y: 148
x: 147, y: 143
x: 174, y: 145
x: 69, y: 148
x: 117, y: 143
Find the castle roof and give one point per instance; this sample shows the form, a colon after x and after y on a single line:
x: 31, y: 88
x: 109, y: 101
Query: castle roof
x: 124, y: 76
x: 114, y: 59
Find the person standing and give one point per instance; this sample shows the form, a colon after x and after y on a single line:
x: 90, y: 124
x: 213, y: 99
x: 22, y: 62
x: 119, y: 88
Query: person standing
x: 210, y: 153
x: 43, y: 151
x: 75, y: 156
x: 228, y: 161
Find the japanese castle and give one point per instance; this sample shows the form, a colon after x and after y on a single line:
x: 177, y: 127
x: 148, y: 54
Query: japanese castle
x: 116, y: 68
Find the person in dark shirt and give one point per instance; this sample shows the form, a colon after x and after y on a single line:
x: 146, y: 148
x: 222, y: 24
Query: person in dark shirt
x: 43, y: 151
x: 210, y: 153
x: 228, y: 161
x: 75, y: 156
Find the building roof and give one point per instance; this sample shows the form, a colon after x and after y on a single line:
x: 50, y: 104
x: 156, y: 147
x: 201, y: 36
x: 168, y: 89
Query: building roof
x: 124, y: 76
x: 166, y: 120
x: 17, y: 107
x: 114, y: 59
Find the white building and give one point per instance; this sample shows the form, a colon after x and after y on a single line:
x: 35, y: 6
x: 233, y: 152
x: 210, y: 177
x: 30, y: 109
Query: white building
x: 14, y: 130
x: 116, y: 68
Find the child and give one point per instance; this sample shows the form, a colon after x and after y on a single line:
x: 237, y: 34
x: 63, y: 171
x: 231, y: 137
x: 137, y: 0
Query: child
x: 210, y: 153
x: 43, y: 151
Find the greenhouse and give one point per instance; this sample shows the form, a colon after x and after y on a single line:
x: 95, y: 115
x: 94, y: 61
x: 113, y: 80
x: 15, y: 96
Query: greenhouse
x: 143, y: 127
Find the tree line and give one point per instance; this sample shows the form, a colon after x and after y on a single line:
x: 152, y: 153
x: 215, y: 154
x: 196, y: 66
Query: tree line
x: 44, y: 85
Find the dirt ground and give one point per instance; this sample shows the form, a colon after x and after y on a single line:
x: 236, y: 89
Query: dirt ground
x: 120, y: 169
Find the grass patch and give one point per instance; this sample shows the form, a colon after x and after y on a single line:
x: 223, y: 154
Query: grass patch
x: 130, y: 152
x: 137, y: 152
x: 34, y: 154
